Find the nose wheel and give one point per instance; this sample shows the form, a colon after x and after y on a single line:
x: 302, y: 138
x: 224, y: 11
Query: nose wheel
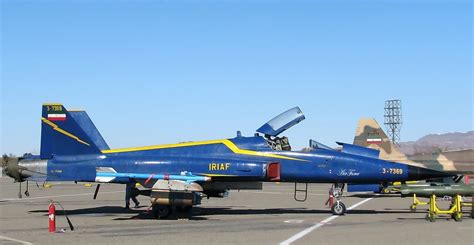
x: 334, y: 201
x: 338, y: 208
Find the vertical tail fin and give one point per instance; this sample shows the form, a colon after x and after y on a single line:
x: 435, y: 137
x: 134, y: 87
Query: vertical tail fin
x: 82, y: 118
x: 62, y: 135
x: 370, y: 134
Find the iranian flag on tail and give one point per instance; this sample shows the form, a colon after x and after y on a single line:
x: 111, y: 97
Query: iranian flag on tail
x: 57, y: 117
x: 374, y: 140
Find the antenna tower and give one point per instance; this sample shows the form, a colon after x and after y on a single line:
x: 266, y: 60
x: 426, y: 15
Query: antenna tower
x: 393, y: 119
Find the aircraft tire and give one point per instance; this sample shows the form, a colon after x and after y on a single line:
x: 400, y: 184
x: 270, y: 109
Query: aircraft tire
x: 161, y: 211
x: 338, y: 208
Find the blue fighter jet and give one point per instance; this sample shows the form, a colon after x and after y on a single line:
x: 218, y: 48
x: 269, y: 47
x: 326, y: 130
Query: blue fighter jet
x: 176, y: 176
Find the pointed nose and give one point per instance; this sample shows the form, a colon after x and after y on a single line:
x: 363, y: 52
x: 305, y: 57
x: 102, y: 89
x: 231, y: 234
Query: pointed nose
x: 417, y: 173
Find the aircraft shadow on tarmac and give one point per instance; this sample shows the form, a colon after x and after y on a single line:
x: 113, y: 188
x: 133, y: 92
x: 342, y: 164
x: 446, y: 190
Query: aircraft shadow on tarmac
x: 96, y: 211
x: 202, y: 213
x: 110, y: 211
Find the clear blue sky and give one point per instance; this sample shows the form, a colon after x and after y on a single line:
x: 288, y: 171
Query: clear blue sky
x: 153, y: 72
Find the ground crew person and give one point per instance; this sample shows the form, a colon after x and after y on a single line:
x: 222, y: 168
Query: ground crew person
x: 131, y: 192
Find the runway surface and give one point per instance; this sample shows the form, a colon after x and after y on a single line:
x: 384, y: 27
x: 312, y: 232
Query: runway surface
x: 270, y: 216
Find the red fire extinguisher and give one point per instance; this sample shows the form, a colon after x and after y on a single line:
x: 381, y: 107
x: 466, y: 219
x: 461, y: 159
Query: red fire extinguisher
x: 52, y: 217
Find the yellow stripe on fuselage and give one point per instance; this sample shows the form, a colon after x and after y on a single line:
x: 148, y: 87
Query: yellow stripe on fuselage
x: 226, y: 142
x: 55, y: 127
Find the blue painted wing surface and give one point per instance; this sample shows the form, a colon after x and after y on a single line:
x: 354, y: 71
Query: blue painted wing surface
x: 282, y: 122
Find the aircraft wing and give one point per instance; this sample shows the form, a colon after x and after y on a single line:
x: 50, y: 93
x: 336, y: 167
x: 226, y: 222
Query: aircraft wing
x: 107, y: 174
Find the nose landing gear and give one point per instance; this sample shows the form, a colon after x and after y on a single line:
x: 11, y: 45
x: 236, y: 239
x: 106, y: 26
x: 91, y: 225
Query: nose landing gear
x: 337, y: 207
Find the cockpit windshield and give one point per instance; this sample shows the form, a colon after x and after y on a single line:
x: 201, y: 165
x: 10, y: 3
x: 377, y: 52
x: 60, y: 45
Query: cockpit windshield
x: 313, y: 144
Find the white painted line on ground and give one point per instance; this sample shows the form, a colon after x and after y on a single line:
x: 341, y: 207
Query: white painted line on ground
x: 46, y: 197
x: 15, y: 240
x: 359, y: 203
x: 319, y: 224
x: 307, y: 230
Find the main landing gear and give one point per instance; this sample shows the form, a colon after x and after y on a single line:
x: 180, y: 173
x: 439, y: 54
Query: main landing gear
x: 27, y: 192
x: 334, y: 201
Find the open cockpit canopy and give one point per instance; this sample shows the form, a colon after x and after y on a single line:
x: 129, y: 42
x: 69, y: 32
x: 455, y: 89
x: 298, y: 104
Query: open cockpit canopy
x: 282, y: 122
x: 278, y: 125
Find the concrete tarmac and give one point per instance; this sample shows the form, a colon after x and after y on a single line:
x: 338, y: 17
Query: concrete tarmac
x: 270, y: 216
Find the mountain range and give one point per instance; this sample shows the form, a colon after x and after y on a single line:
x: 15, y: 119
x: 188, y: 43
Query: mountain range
x: 439, y: 142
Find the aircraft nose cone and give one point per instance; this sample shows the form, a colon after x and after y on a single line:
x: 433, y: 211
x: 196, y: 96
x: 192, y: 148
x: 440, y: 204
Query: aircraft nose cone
x: 417, y: 173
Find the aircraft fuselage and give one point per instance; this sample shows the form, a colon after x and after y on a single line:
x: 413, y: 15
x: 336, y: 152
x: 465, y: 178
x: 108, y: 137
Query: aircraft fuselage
x: 237, y: 159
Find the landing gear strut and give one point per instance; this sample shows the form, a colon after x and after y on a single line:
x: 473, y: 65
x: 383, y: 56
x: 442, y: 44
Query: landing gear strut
x: 27, y: 193
x: 337, y: 207
x: 19, y: 192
